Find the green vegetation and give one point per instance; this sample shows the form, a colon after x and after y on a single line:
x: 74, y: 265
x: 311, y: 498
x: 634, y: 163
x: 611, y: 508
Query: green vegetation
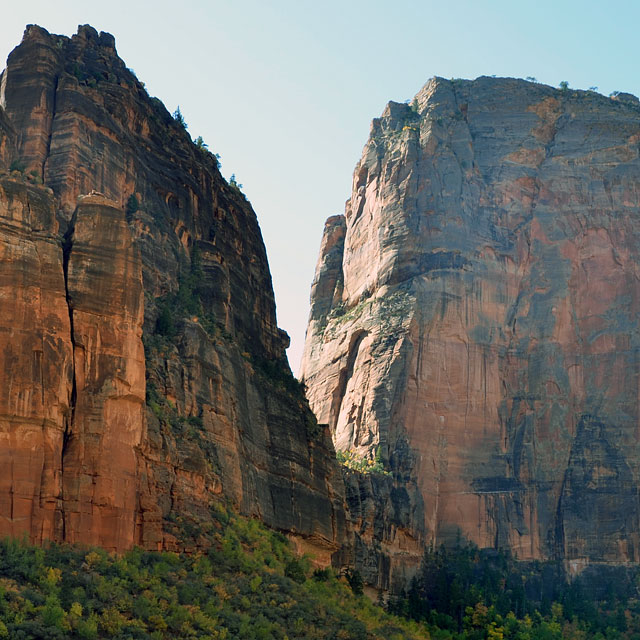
x: 203, y: 148
x: 564, y: 85
x: 167, y: 413
x: 186, y: 302
x: 17, y: 165
x: 354, y: 580
x: 200, y: 143
x: 131, y: 207
x: 279, y: 374
x: 178, y: 117
x: 467, y: 593
x: 233, y: 183
x: 342, y: 313
x: 359, y: 463
x: 34, y: 175
x: 85, y: 76
x: 248, y: 585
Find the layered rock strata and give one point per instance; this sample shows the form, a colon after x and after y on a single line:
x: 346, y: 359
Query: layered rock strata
x: 106, y: 303
x: 36, y: 361
x: 144, y: 376
x: 474, y: 321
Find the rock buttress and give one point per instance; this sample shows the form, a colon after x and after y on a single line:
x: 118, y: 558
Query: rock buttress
x: 72, y: 356
x: 106, y: 302
x: 36, y: 361
x: 482, y: 320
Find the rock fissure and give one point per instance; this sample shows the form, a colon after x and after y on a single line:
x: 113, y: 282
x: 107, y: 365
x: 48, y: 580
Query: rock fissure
x: 67, y: 244
x: 51, y: 126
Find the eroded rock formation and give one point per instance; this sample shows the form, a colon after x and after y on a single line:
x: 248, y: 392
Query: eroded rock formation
x: 144, y: 377
x: 475, y: 321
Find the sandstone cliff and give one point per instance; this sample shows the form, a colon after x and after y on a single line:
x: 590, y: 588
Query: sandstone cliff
x: 143, y: 373
x: 475, y: 322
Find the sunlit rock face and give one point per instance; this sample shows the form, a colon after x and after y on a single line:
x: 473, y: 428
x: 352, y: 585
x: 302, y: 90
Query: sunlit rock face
x: 36, y: 362
x: 112, y: 431
x: 475, y: 321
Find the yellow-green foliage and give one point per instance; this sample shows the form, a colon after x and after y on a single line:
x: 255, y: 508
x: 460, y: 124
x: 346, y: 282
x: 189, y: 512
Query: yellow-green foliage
x: 359, y: 463
x: 249, y: 585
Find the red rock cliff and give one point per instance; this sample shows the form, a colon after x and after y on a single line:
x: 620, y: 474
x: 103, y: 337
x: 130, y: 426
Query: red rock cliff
x: 144, y: 376
x: 475, y: 321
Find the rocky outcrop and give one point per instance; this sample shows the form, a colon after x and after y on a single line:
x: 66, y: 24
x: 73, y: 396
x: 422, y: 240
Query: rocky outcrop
x: 147, y: 320
x: 475, y: 319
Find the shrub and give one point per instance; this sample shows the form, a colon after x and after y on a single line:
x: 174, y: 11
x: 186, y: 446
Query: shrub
x: 322, y: 575
x: 361, y: 464
x: 18, y: 165
x: 355, y: 581
x: 200, y: 143
x: 233, y: 183
x: 294, y: 570
x: 132, y: 206
x: 53, y: 613
x: 165, y: 325
x: 178, y: 117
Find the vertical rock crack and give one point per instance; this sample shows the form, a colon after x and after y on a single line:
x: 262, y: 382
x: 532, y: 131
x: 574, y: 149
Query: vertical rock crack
x: 53, y: 117
x: 67, y: 243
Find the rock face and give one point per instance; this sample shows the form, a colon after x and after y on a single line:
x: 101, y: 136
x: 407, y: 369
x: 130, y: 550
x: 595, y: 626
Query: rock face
x: 106, y: 301
x: 36, y: 361
x: 475, y: 321
x: 144, y: 378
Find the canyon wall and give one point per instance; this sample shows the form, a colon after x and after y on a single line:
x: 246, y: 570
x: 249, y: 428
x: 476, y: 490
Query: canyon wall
x: 473, y: 333
x: 145, y: 380
x: 474, y: 324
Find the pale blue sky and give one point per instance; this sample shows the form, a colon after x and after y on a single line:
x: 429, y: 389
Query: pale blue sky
x: 285, y: 90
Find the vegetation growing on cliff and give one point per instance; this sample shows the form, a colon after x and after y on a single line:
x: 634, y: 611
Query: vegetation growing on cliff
x: 248, y: 585
x: 361, y: 464
x: 186, y: 302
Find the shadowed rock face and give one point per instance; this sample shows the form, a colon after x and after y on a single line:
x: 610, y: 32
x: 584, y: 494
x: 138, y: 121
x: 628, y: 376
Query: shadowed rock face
x: 90, y: 461
x: 475, y: 318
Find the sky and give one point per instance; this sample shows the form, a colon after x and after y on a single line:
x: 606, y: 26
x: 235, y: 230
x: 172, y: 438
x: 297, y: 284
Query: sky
x: 285, y: 90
